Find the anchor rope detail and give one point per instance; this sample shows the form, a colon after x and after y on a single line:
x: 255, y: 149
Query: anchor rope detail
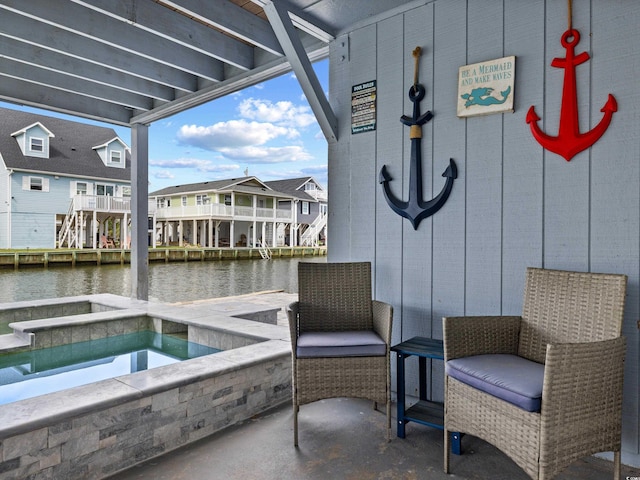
x: 415, y: 208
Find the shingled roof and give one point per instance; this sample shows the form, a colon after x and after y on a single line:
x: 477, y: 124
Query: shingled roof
x: 251, y: 185
x: 291, y: 186
x: 71, y: 150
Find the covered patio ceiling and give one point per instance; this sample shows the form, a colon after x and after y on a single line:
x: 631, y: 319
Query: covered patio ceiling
x: 129, y: 62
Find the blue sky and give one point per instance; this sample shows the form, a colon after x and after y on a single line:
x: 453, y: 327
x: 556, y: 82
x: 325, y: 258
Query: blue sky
x: 267, y: 130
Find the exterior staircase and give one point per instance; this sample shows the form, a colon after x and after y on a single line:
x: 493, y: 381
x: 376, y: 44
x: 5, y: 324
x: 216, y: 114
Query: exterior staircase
x: 309, y: 238
x: 265, y: 251
x: 68, y: 236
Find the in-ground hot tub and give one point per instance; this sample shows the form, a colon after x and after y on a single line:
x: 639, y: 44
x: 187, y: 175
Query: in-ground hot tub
x: 95, y: 430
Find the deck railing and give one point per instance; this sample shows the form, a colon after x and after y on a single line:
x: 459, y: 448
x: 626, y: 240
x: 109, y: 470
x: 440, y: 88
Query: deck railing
x: 106, y: 203
x: 221, y: 211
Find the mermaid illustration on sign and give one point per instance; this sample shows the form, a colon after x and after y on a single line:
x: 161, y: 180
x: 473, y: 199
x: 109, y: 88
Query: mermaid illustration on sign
x: 482, y: 96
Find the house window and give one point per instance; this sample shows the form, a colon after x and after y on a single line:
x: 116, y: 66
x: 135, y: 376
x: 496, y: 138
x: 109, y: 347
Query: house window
x: 102, y: 189
x: 81, y: 188
x: 305, y: 208
x: 116, y: 156
x: 202, y: 199
x: 184, y: 200
x: 309, y: 186
x: 36, y: 144
x: 35, y: 183
x: 126, y: 191
x: 227, y: 199
x: 161, y: 202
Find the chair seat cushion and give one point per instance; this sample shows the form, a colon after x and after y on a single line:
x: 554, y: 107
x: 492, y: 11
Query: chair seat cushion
x: 508, y: 377
x: 362, y: 343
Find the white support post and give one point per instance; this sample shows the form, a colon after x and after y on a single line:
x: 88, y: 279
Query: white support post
x: 94, y: 229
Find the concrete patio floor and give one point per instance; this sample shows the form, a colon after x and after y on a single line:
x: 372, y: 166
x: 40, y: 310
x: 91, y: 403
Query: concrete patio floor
x: 340, y: 439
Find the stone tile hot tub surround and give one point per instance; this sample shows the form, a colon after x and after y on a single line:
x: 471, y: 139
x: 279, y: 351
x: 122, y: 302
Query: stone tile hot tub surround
x: 96, y: 430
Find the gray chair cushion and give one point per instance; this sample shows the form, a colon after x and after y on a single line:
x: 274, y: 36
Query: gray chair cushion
x: 508, y: 377
x: 364, y: 343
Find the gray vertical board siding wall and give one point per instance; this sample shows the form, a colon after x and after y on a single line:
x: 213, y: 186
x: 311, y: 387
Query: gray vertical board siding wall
x: 513, y: 204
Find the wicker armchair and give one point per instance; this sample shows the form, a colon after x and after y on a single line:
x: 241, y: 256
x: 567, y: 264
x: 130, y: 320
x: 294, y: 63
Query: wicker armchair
x: 340, y: 337
x: 571, y: 327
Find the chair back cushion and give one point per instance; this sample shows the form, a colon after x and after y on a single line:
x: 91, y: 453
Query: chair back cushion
x: 334, y: 296
x: 359, y: 343
x: 569, y: 307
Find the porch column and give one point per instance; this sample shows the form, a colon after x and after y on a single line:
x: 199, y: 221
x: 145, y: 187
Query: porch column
x: 274, y: 227
x: 210, y: 226
x: 139, y: 211
x: 94, y: 229
x: 274, y: 235
x: 194, y: 232
x: 81, y: 231
x: 124, y: 231
x: 253, y: 234
x: 180, y: 234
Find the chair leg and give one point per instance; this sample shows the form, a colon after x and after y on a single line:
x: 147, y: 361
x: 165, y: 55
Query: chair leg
x: 617, y: 465
x: 447, y: 447
x: 388, y: 421
x: 296, y: 408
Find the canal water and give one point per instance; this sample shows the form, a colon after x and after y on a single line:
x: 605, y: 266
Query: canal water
x: 168, y: 282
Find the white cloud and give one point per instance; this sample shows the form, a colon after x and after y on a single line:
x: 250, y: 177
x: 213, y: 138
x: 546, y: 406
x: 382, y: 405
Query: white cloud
x: 193, y: 163
x: 164, y: 174
x: 220, y: 168
x: 257, y: 154
x: 180, y: 163
x: 282, y: 112
x: 234, y: 133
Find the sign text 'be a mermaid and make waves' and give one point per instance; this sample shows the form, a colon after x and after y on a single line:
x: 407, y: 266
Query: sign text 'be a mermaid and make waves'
x: 486, y: 87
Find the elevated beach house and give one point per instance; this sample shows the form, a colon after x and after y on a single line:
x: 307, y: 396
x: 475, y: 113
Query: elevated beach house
x: 309, y: 206
x: 62, y: 183
x: 237, y: 212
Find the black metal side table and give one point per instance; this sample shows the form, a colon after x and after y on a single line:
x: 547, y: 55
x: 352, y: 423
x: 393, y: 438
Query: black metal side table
x: 425, y: 411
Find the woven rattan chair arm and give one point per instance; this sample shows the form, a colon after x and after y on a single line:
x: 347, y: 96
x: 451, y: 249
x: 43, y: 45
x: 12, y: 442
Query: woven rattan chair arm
x: 382, y: 320
x: 465, y: 336
x: 581, y: 401
x: 292, y: 317
x: 581, y: 381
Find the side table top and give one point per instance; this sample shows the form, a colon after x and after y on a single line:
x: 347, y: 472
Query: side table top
x: 421, y: 346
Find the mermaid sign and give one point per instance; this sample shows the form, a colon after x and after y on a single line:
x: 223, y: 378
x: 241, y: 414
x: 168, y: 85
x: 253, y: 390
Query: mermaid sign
x: 486, y: 87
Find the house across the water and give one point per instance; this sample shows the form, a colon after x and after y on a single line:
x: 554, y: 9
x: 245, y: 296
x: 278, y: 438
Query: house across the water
x: 62, y: 183
x: 66, y: 184
x: 241, y: 212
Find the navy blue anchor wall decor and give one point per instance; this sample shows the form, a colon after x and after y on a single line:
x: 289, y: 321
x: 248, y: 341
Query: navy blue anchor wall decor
x: 415, y: 209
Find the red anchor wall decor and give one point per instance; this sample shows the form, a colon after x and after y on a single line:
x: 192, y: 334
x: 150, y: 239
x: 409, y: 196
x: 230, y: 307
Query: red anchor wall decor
x: 569, y: 140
